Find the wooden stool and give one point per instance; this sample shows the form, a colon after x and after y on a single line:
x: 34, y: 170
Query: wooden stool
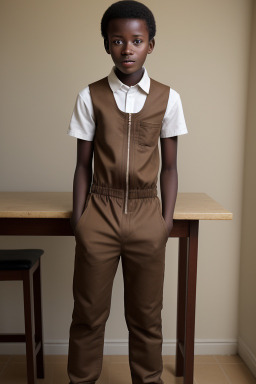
x: 24, y: 264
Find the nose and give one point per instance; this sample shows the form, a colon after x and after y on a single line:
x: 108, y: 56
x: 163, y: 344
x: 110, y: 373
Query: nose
x: 127, y: 49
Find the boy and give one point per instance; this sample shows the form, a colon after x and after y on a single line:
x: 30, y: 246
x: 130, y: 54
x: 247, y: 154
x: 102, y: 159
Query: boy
x: 116, y: 212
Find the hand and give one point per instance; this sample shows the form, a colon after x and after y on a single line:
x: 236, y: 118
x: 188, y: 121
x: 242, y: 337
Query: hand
x: 73, y: 223
x: 169, y: 225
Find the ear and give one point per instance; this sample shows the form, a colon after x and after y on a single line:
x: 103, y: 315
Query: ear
x: 151, y: 45
x: 106, y: 45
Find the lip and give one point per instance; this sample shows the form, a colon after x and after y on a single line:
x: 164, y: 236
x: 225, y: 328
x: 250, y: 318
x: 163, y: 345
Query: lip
x: 127, y: 63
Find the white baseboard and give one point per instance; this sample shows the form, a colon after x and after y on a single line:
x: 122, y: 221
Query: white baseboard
x: 120, y: 347
x: 247, y: 356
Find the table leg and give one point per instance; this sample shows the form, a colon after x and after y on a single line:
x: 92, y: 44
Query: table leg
x: 38, y: 321
x: 186, y: 301
x: 181, y: 301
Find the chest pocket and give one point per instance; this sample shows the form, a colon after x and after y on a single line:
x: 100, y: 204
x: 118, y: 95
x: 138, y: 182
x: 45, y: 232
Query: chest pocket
x: 148, y: 133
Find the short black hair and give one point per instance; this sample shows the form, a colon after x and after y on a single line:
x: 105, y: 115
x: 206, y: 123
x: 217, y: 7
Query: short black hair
x: 128, y: 9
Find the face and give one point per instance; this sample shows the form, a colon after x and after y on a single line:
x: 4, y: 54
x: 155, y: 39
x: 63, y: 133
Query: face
x: 128, y: 44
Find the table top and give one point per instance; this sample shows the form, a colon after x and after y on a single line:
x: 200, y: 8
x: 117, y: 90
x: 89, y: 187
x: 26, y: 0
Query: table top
x: 189, y: 206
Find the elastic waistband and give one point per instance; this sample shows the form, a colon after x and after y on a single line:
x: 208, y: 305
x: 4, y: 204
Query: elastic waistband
x: 132, y: 193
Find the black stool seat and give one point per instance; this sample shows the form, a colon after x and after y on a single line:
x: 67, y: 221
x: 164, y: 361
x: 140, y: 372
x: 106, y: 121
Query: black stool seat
x: 18, y: 259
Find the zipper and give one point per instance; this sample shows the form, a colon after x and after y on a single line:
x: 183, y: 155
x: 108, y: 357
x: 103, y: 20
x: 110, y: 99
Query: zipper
x: 127, y: 163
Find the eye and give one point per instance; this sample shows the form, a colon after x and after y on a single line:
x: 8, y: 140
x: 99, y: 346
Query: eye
x: 137, y: 41
x: 117, y: 42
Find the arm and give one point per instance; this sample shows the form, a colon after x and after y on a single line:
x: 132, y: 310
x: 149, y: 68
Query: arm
x: 82, y: 179
x: 169, y: 178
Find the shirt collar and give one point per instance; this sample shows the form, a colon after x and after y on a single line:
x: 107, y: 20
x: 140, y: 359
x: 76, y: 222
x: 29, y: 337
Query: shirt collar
x: 115, y: 84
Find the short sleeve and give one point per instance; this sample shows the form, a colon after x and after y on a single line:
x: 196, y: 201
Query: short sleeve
x: 82, y: 124
x: 174, y: 123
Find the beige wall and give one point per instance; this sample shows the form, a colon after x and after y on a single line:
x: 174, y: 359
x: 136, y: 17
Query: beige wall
x: 52, y: 49
x: 247, y: 308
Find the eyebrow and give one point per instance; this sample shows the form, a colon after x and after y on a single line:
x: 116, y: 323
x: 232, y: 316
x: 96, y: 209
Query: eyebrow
x: 139, y: 35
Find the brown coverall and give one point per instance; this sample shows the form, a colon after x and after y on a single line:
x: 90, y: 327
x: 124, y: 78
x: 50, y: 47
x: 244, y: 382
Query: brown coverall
x: 122, y: 217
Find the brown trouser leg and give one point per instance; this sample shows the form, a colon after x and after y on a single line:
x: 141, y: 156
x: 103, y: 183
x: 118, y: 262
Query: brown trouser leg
x: 104, y: 233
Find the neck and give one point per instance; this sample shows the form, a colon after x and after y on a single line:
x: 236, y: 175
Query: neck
x: 129, y: 79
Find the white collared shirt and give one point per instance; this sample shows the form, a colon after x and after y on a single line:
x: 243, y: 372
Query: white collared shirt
x: 130, y: 100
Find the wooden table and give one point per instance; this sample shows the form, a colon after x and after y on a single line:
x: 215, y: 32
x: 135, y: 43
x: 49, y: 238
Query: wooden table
x: 48, y: 213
